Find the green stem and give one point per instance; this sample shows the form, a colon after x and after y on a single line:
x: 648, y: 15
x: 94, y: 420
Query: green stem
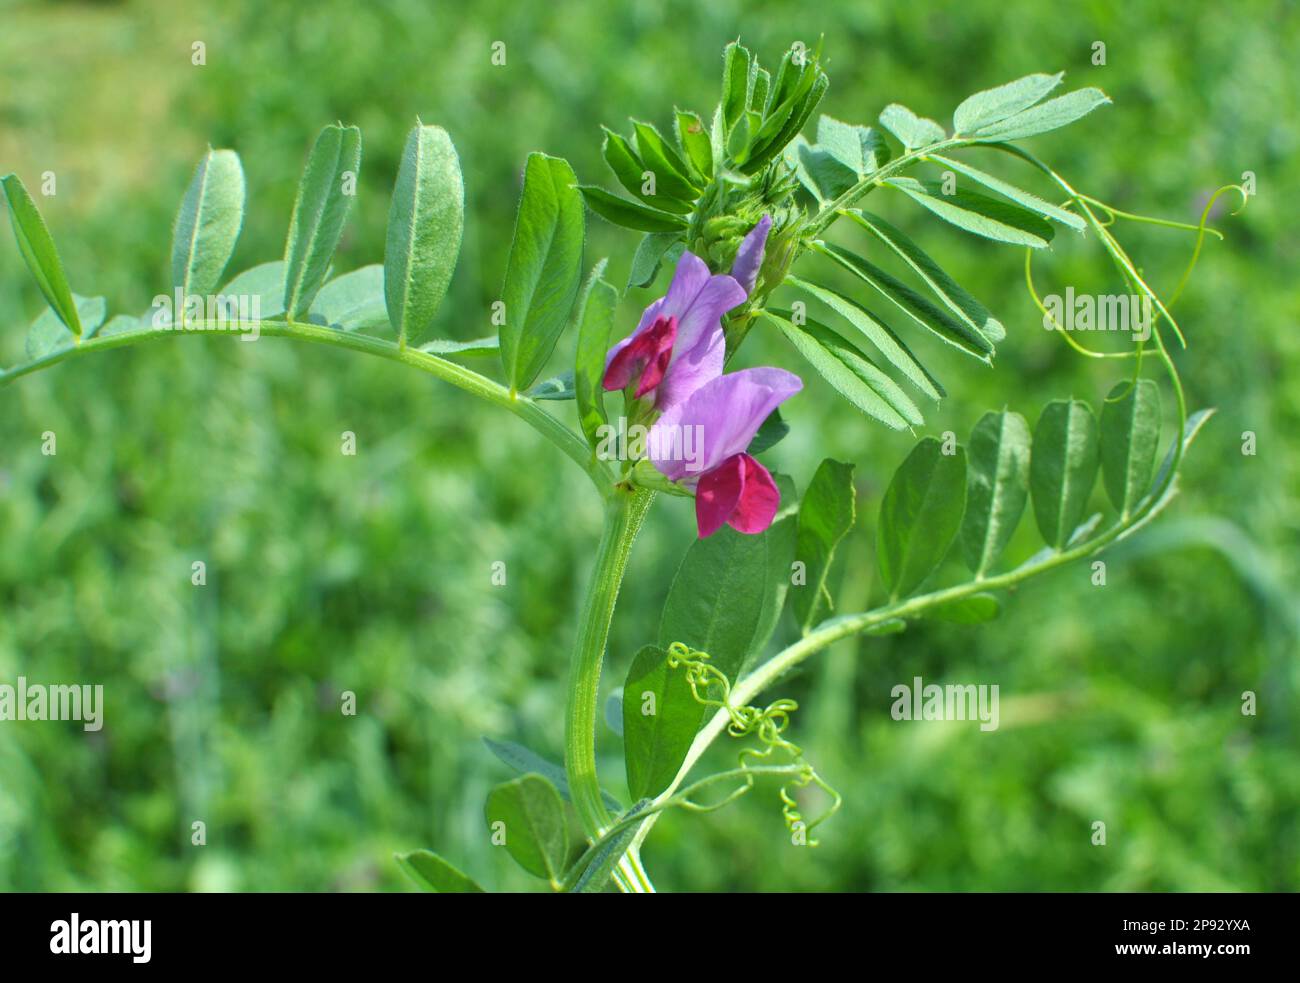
x: 624, y: 513
x: 831, y: 212
x: 573, y: 446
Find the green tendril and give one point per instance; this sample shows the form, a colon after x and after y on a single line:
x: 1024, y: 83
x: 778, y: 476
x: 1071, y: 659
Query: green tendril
x: 711, y: 688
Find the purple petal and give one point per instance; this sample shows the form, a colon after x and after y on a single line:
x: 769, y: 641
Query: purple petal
x: 749, y: 257
x: 690, y: 369
x: 724, y: 413
x: 698, y: 320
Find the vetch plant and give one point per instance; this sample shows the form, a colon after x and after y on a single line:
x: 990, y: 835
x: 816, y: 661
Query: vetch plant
x: 732, y: 213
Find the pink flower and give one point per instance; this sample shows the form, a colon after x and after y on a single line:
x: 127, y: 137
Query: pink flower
x: 679, y: 345
x: 730, y: 486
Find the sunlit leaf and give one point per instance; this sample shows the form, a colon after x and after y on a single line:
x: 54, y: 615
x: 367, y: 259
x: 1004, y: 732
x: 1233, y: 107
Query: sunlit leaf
x: 37, y: 248
x: 886, y: 342
x: 596, y: 313
x: 544, y: 272
x: 1019, y: 195
x: 1045, y: 116
x: 208, y: 223
x: 425, y: 224
x: 912, y: 131
x: 629, y: 214
x: 318, y: 214
x: 978, y: 214
x: 954, y: 296
x: 849, y: 372
x: 996, y: 104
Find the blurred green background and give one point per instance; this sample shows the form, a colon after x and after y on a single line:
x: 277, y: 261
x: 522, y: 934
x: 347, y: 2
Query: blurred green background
x: 372, y: 573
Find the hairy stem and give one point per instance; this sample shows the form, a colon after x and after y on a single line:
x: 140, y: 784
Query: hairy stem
x: 624, y: 513
x: 573, y: 446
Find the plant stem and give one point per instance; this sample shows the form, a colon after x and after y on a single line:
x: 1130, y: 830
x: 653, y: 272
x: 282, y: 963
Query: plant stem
x: 573, y: 446
x: 624, y: 513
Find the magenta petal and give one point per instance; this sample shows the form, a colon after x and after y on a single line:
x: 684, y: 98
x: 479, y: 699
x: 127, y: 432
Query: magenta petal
x: 749, y: 257
x: 718, y: 494
x: 727, y: 412
x: 759, y: 497
x: 645, y: 356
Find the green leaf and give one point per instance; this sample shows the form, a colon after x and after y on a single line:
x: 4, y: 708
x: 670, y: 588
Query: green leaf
x: 826, y: 514
x: 559, y: 387
x: 886, y: 342
x: 849, y: 372
x: 772, y: 138
x: 672, y: 174
x: 972, y: 610
x: 265, y: 282
x: 525, y: 760
x: 425, y: 224
x: 759, y: 92
x: 477, y: 348
x: 49, y: 334
x: 728, y: 592
x: 37, y: 248
x: 912, y: 131
x: 736, y: 74
x: 432, y: 873
x: 1018, y: 195
x: 630, y: 171
x: 544, y: 272
x: 318, y: 215
x: 693, y: 138
x: 601, y: 866
x: 208, y: 223
x: 1062, y: 468
x: 995, y: 105
x: 629, y: 214
x: 1046, y: 116
x: 997, y: 487
x: 954, y: 296
x: 535, y: 827
x: 955, y: 331
x: 772, y: 432
x: 660, y: 718
x: 920, y: 515
x: 650, y: 253
x: 353, y: 302
x: 596, y: 323
x: 818, y: 170
x: 861, y: 149
x: 978, y: 214
x: 1130, y: 435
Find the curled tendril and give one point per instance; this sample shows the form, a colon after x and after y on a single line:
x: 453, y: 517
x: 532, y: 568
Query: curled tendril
x: 711, y: 688
x: 1127, y: 269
